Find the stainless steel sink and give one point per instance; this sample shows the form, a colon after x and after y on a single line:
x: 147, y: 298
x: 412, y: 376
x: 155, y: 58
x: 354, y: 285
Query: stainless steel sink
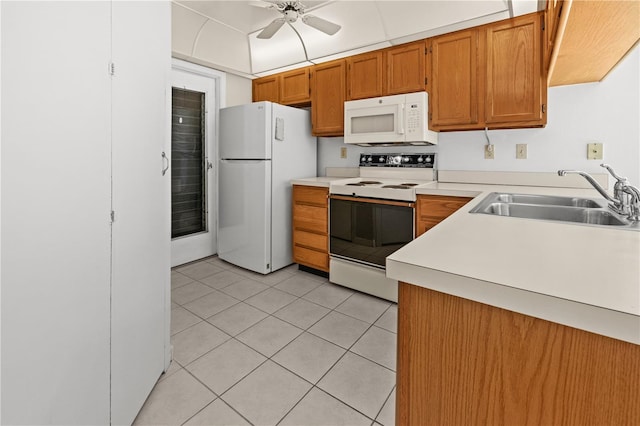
x: 565, y: 214
x: 550, y: 200
x: 584, y: 211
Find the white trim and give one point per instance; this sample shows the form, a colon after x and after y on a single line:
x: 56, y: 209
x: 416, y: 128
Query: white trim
x: 219, y: 76
x: 196, y: 246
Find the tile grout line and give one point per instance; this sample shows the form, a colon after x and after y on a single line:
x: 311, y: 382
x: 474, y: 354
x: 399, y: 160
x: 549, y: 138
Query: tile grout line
x: 313, y: 385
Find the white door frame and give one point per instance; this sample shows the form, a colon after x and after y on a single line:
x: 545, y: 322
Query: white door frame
x: 193, y: 247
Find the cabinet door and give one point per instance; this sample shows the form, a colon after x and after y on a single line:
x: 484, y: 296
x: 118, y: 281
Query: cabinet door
x: 294, y: 87
x: 364, y: 75
x: 140, y: 284
x: 433, y: 209
x: 514, y: 71
x: 327, y: 98
x: 266, y: 89
x: 455, y: 72
x: 405, y: 70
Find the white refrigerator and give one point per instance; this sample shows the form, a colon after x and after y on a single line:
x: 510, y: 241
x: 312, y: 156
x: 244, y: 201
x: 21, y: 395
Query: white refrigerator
x: 262, y: 147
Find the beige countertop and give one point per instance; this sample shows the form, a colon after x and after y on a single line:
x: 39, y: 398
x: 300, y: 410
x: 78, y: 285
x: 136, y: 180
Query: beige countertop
x: 581, y: 276
x: 322, y: 181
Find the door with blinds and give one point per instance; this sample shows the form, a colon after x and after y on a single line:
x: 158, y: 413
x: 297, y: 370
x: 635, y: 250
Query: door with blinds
x: 193, y: 226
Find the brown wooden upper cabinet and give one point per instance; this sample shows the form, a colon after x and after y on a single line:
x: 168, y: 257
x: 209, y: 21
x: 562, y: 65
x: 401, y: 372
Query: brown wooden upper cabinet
x: 490, y: 76
x: 455, y: 79
x: 295, y: 87
x: 328, y: 92
x: 364, y: 75
x: 266, y: 88
x: 404, y: 68
x: 516, y: 89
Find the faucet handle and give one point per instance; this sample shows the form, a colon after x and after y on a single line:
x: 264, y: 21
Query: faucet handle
x: 614, y: 174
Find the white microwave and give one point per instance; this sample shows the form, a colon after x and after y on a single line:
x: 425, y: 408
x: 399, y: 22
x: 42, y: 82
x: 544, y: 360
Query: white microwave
x: 391, y: 120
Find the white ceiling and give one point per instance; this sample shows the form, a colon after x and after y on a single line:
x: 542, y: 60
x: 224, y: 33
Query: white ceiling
x: 222, y: 34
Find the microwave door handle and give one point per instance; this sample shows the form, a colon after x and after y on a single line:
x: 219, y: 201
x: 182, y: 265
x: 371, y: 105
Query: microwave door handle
x: 401, y: 119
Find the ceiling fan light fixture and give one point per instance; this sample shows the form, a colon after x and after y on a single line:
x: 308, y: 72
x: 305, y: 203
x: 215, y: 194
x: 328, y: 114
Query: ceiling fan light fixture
x: 290, y: 14
x: 291, y: 10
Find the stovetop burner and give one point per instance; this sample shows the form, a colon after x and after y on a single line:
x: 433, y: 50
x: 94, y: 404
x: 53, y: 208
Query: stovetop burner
x: 365, y: 183
x: 403, y: 186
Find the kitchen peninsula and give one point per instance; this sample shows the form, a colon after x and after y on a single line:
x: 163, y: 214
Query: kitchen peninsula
x: 517, y: 321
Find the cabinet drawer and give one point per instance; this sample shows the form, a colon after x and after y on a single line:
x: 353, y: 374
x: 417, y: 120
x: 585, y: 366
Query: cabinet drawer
x: 311, y: 240
x: 310, y: 195
x: 312, y: 258
x: 311, y: 218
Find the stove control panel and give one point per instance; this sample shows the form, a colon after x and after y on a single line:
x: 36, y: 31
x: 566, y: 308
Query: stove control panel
x: 426, y: 161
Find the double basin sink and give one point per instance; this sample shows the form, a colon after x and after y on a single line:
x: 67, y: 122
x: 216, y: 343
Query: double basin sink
x: 586, y: 211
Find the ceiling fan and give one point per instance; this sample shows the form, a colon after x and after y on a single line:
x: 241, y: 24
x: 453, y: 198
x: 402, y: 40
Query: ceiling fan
x: 291, y: 10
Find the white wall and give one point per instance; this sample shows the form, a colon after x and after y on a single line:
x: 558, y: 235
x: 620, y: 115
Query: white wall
x: 607, y: 112
x: 238, y: 90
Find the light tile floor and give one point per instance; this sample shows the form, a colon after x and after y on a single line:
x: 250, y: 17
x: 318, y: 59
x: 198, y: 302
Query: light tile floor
x: 288, y: 348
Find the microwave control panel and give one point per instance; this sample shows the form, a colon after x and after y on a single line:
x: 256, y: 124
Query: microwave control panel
x: 414, y: 120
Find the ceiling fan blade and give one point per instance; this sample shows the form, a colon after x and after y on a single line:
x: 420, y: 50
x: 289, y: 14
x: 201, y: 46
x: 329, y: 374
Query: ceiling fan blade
x: 266, y: 4
x: 321, y: 24
x: 271, y: 29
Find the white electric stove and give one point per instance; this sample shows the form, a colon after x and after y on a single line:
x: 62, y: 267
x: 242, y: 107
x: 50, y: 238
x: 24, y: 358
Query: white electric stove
x: 372, y: 216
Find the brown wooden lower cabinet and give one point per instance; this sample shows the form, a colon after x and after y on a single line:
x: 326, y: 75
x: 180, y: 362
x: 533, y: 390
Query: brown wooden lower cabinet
x: 311, y: 226
x: 433, y: 209
x: 466, y: 363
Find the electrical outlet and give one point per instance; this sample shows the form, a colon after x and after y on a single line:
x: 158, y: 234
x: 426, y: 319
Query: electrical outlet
x: 521, y: 151
x: 489, y: 151
x: 594, y: 151
x: 343, y: 152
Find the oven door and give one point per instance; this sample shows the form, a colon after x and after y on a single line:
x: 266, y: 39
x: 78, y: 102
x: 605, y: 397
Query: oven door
x: 367, y: 230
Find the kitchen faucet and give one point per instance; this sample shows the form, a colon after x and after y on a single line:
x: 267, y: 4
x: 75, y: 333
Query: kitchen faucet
x: 626, y: 197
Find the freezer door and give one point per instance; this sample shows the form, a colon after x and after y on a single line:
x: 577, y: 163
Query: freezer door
x: 244, y: 221
x: 245, y: 131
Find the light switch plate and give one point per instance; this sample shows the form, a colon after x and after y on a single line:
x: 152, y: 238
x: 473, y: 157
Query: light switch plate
x: 521, y: 151
x: 343, y: 152
x: 594, y: 151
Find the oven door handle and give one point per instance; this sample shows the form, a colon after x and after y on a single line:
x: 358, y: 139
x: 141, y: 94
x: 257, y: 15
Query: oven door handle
x: 373, y: 201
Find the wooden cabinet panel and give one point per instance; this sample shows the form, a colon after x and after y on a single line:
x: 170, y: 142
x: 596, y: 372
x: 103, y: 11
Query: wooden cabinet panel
x: 405, y: 69
x: 493, y: 366
x: 295, y: 87
x: 364, y: 75
x: 433, y: 209
x: 592, y: 37
x: 514, y: 71
x: 311, y: 218
x: 311, y: 240
x: 328, y: 93
x: 314, y: 195
x: 552, y: 19
x: 311, y: 258
x: 266, y: 89
x: 310, y: 226
x: 456, y: 76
